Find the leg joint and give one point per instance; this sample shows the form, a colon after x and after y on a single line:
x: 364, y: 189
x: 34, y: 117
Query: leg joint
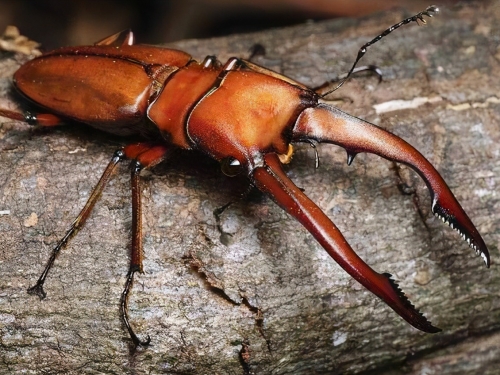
x: 136, y: 166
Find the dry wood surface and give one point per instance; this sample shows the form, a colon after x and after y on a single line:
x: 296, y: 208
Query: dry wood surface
x: 245, y: 289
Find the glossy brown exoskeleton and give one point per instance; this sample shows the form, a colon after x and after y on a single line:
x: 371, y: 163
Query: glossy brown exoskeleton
x: 239, y: 113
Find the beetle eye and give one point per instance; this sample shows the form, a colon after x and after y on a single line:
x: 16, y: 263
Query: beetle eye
x: 231, y: 166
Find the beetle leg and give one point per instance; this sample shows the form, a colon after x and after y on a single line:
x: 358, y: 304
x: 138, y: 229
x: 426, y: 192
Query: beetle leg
x: 78, y: 223
x: 256, y: 50
x: 211, y: 62
x: 325, y: 123
x: 42, y: 119
x: 143, y: 155
x: 122, y: 38
x: 272, y: 180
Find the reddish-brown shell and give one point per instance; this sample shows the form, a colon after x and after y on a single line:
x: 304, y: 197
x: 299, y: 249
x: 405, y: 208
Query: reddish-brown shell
x: 103, y: 86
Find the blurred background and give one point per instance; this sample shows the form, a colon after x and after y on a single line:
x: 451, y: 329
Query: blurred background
x: 57, y: 23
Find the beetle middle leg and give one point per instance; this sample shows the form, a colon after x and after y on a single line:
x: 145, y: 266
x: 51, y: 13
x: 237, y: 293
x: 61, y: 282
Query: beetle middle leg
x: 78, y: 223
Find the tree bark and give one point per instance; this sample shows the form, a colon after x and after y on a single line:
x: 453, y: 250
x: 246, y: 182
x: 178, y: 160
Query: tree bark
x: 219, y: 279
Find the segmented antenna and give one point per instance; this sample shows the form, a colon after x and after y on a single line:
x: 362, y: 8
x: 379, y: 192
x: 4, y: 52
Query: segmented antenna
x: 419, y: 17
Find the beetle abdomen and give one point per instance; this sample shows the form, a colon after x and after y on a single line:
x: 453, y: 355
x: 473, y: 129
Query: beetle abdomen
x: 99, y: 89
x: 115, y: 90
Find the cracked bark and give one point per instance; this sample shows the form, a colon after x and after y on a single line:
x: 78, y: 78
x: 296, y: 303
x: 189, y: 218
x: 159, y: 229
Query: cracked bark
x: 315, y: 318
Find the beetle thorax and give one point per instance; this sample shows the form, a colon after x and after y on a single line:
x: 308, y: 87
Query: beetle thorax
x: 248, y: 115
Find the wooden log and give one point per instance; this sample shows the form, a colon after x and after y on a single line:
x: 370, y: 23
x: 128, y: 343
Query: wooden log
x: 248, y: 276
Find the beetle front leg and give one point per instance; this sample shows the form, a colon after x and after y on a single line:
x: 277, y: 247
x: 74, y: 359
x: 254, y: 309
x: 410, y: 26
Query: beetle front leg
x: 325, y: 123
x: 272, y: 180
x: 143, y: 155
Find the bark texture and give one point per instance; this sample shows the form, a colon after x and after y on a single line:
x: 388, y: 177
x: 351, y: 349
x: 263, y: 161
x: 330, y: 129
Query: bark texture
x: 245, y: 289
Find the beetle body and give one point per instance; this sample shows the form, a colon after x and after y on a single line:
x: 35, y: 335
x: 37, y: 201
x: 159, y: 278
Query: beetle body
x: 132, y: 93
x: 239, y: 113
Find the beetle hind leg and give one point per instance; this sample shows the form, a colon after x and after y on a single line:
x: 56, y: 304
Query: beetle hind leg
x: 42, y: 119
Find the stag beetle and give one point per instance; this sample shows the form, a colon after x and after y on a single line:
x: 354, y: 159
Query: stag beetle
x: 138, y: 90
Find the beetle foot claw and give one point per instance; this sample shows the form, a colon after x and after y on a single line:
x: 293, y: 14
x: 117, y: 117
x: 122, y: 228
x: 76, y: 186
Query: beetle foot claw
x: 37, y: 290
x: 138, y: 342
